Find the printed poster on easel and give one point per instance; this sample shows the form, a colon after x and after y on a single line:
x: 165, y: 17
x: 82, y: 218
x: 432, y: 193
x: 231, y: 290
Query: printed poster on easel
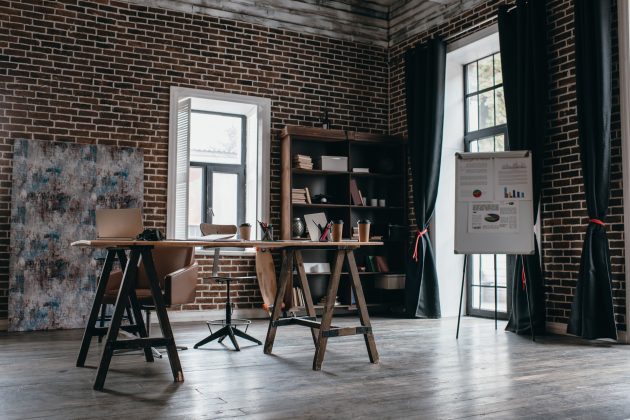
x: 494, y: 213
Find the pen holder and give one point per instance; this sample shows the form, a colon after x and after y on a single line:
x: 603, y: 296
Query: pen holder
x: 267, y: 233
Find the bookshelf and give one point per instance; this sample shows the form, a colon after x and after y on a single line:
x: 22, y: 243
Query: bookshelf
x: 385, y: 157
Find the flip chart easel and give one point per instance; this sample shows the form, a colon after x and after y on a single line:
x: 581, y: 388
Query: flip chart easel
x: 494, y: 211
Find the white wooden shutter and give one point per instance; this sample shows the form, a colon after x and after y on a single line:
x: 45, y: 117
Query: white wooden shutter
x: 182, y: 162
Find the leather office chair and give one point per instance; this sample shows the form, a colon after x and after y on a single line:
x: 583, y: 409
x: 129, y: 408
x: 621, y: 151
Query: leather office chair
x: 229, y: 324
x: 176, y: 270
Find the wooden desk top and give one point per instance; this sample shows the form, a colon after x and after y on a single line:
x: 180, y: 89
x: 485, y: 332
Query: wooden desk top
x: 171, y: 243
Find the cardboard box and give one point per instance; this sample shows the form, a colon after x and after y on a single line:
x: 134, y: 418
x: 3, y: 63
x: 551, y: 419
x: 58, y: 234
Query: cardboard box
x: 333, y: 163
x: 390, y: 281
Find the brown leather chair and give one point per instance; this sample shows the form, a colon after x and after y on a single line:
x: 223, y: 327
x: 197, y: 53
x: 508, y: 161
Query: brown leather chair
x: 176, y: 270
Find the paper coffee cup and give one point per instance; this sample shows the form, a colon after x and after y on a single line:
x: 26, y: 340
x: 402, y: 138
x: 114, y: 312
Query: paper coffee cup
x: 364, y: 230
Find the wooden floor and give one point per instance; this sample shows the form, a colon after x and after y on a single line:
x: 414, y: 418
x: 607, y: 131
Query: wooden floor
x: 423, y: 373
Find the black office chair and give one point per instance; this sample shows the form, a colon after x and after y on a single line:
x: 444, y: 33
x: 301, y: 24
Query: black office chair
x: 228, y: 326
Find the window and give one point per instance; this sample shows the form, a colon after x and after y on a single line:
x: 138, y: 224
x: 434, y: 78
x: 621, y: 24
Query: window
x: 485, y: 131
x: 218, y: 160
x: 217, y: 188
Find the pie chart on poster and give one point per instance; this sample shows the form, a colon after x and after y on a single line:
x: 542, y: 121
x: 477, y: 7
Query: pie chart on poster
x: 476, y: 193
x: 492, y: 217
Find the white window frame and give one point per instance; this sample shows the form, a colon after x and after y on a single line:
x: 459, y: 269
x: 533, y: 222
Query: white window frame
x: 258, y: 112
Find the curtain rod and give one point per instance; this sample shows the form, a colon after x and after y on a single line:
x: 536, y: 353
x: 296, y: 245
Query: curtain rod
x: 476, y: 25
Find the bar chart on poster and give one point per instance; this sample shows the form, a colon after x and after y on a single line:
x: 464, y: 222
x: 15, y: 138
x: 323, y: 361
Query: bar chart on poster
x: 494, y: 203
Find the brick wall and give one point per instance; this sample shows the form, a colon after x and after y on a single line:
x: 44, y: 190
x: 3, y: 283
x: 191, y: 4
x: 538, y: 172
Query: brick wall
x: 100, y: 72
x: 564, y: 216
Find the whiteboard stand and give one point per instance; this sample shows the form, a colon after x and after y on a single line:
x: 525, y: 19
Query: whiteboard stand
x: 494, y: 212
x: 461, y: 297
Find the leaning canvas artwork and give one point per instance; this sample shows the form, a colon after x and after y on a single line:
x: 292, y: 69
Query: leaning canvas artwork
x: 56, y: 189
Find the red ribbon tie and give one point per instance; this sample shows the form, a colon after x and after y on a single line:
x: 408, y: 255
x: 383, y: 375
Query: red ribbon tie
x: 597, y: 222
x: 419, y: 234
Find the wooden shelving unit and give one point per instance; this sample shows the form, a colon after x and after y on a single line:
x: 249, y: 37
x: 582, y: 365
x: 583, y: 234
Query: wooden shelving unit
x: 386, y: 158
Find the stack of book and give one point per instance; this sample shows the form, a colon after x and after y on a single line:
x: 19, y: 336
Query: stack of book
x: 355, y: 233
x: 300, y: 196
x: 302, y: 162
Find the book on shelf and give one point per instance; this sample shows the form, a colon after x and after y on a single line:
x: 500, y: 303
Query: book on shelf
x: 355, y: 193
x: 381, y: 263
x: 298, y: 297
x: 371, y: 264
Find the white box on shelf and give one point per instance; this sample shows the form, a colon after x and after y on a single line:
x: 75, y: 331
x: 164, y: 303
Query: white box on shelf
x: 319, y: 268
x: 333, y: 163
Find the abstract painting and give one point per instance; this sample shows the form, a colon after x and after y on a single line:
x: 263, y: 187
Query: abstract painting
x: 57, y: 188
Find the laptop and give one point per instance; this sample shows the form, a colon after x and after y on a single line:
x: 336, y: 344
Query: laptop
x: 118, y: 224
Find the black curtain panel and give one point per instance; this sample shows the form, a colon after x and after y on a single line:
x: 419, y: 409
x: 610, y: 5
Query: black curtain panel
x: 424, y: 82
x: 592, y: 309
x: 522, y: 36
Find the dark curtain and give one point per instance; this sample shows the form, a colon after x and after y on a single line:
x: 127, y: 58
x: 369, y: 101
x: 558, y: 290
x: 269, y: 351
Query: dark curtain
x: 424, y: 82
x: 522, y: 35
x: 592, y: 309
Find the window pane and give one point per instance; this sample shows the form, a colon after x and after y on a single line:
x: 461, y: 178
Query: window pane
x: 224, y: 198
x: 500, y: 107
x: 498, y: 74
x: 486, y: 73
x: 487, y: 299
x: 486, y: 110
x: 475, y: 298
x: 471, y: 78
x: 502, y: 270
x: 215, y: 138
x: 472, y: 111
x: 195, y: 201
x: 499, y: 143
x: 487, y: 270
x: 486, y: 144
x: 473, y: 146
x: 473, y: 266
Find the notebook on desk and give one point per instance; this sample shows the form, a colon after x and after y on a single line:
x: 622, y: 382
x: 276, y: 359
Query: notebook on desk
x: 220, y: 238
x: 118, y: 224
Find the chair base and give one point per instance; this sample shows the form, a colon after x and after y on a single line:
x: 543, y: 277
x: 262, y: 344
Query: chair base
x: 228, y: 331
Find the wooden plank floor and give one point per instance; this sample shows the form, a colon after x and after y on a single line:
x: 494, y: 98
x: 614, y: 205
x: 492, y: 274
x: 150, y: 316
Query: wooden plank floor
x: 424, y: 373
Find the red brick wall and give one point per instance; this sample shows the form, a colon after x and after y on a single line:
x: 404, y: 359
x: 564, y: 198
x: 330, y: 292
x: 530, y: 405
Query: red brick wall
x: 564, y: 216
x: 100, y: 72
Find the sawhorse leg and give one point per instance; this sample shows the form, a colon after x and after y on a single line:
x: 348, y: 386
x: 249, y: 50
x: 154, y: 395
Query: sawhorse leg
x: 362, y: 306
x: 98, y: 298
x: 286, y: 274
x: 306, y: 291
x: 128, y: 281
x: 160, y: 310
